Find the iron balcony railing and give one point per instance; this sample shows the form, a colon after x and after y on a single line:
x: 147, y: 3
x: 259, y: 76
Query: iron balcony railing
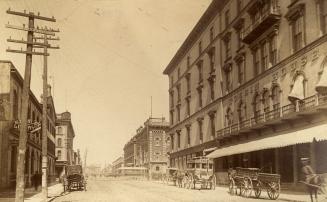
x: 277, y: 113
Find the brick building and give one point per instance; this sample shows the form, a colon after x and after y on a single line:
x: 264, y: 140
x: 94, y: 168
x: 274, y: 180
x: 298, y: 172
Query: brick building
x: 148, y: 148
x: 249, y: 82
x: 11, y: 83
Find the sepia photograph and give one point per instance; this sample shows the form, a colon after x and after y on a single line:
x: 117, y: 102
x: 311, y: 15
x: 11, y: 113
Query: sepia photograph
x: 163, y: 101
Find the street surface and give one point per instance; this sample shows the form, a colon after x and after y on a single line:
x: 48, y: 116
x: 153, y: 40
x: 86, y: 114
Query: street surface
x: 118, y: 190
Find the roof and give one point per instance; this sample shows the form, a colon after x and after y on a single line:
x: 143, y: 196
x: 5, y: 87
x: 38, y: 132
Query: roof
x: 204, y: 21
x: 282, y: 140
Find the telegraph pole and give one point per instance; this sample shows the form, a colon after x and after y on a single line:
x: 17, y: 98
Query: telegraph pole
x: 45, y: 47
x: 29, y: 52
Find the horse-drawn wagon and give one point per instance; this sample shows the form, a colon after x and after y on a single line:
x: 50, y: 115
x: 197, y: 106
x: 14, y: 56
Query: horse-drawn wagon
x: 170, y: 175
x: 74, y: 179
x: 199, y: 171
x: 244, y: 181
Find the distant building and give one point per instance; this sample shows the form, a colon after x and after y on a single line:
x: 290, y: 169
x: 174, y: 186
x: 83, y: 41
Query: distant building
x: 249, y: 82
x: 148, y: 148
x: 118, y: 163
x: 64, y: 142
x: 11, y: 87
x: 93, y: 170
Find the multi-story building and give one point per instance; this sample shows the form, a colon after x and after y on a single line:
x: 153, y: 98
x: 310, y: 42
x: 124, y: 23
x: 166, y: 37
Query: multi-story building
x: 64, y: 142
x: 11, y: 83
x: 250, y: 83
x: 148, y: 148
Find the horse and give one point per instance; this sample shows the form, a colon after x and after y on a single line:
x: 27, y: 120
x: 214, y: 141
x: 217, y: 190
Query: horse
x: 320, y: 184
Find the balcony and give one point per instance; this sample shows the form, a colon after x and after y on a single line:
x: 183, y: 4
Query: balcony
x: 266, y: 19
x: 309, y: 105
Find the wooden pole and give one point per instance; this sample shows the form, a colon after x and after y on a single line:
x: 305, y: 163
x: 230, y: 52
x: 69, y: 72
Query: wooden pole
x: 20, y: 181
x: 44, y: 124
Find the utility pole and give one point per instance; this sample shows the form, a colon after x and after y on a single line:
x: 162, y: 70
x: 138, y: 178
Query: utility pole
x: 29, y: 52
x: 44, y: 113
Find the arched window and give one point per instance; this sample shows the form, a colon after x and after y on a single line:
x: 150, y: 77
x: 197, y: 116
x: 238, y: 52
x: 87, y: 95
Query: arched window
x: 59, y: 143
x: 229, y: 117
x: 298, y: 89
x: 59, y: 155
x: 15, y: 105
x: 275, y: 96
x: 256, y: 106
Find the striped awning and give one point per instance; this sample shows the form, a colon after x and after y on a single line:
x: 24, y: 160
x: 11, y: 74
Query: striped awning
x: 281, y: 140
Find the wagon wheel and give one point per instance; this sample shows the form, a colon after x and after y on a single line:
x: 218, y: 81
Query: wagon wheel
x: 246, y: 187
x: 273, y: 190
x: 232, y: 187
x: 213, y: 182
x: 257, y: 189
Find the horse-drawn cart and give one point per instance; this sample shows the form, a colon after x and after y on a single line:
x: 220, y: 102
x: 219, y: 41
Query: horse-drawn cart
x: 244, y: 181
x: 170, y: 175
x: 74, y: 179
x: 200, y: 171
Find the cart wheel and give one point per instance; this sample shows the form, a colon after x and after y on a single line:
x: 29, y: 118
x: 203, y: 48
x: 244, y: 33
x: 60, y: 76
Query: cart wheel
x: 246, y: 187
x: 232, y: 187
x: 273, y: 190
x: 257, y: 189
x: 213, y: 182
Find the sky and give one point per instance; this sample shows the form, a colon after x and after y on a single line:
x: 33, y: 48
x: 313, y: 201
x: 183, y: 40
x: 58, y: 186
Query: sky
x: 110, y: 62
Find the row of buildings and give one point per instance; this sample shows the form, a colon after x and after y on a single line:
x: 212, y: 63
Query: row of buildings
x: 59, y: 131
x: 249, y: 85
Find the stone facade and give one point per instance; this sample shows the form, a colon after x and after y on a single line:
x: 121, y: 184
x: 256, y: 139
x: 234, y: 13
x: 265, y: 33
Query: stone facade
x: 250, y: 70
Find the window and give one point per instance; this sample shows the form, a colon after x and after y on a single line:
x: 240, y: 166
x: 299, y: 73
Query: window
x: 157, y: 141
x: 227, y: 48
x: 276, y: 97
x: 200, y: 70
x: 157, y: 168
x: 188, y: 107
x: 266, y: 101
x: 264, y: 56
x: 212, y: 33
x: 179, y: 139
x: 59, y: 143
x: 188, y: 133
x: 59, y: 154
x: 200, y: 47
x: 172, y: 98
x: 200, y: 130
x: 241, y: 113
x: 59, y: 130
x: 171, y: 117
x: 200, y: 97
x: 241, y: 71
x: 212, y: 89
x: 297, y: 33
x: 228, y: 80
x: 229, y: 117
x: 273, y: 50
x: 212, y: 60
x: 256, y: 106
x: 240, y: 36
x: 213, y: 125
x: 227, y: 18
x: 172, y: 141
x: 188, y: 61
x: 178, y: 113
x: 15, y: 105
x: 188, y: 84
x: 256, y: 59
x: 178, y: 87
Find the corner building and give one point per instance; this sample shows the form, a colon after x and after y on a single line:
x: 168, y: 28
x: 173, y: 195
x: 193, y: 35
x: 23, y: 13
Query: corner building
x: 248, y: 88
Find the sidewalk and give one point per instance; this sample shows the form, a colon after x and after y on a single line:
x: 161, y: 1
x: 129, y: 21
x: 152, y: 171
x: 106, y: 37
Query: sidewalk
x: 31, y: 195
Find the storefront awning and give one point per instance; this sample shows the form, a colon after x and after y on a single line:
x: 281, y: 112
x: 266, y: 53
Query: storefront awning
x: 282, y: 140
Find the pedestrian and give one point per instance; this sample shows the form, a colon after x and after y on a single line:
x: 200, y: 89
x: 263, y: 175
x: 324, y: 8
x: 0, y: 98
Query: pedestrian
x: 309, y: 175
